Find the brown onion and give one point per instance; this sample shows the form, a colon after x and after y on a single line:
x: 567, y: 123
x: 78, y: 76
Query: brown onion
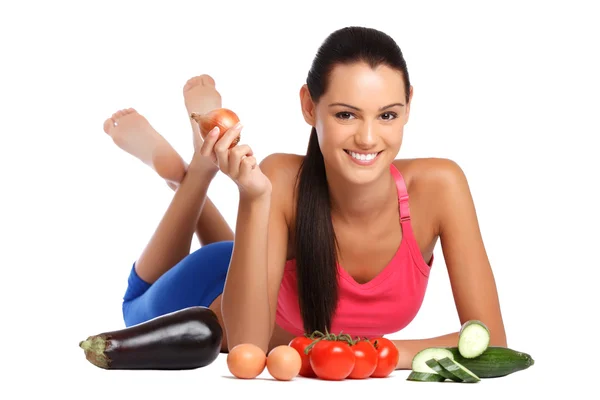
x: 224, y: 118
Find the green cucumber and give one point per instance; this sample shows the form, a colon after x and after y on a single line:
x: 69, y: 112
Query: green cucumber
x: 424, y: 377
x: 458, y: 370
x: 473, y: 339
x: 419, y: 362
x: 494, y: 362
x: 437, y: 367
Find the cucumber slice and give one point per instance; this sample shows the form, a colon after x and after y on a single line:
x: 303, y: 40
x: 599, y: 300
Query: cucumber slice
x: 424, y: 377
x: 436, y: 366
x: 419, y: 362
x: 458, y: 370
x: 473, y: 339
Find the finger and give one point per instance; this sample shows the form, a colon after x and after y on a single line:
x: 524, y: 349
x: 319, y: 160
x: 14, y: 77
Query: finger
x: 222, y: 146
x: 236, y: 155
x: 246, y: 167
x: 209, y: 142
x: 198, y: 140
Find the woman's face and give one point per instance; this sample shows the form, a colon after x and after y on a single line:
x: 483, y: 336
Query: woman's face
x: 362, y: 115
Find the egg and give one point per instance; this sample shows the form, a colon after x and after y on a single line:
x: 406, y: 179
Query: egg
x: 284, y: 363
x: 246, y: 361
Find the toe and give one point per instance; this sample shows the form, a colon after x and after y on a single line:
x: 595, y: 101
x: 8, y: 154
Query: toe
x: 108, y: 125
x: 203, y: 79
x: 191, y: 83
x: 207, y: 80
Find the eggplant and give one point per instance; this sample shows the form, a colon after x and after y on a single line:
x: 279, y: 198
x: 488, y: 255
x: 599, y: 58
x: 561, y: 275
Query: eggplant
x: 185, y: 339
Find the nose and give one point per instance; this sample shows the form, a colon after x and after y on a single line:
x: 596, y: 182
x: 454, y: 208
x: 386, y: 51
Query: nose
x: 365, y: 136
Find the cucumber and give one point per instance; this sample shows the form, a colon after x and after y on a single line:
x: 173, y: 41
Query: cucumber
x: 494, y: 362
x: 473, y: 339
x: 458, y: 370
x: 419, y: 362
x: 437, y: 367
x: 424, y: 377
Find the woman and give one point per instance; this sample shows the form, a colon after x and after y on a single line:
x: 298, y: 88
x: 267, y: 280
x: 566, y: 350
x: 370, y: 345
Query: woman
x: 347, y: 247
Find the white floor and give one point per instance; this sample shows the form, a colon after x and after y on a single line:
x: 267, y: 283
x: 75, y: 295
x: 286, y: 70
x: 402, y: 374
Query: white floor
x: 85, y: 381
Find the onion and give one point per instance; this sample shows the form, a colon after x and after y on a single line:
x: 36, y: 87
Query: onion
x: 224, y: 118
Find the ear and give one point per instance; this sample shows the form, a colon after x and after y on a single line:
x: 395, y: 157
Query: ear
x: 308, y: 107
x: 410, y: 95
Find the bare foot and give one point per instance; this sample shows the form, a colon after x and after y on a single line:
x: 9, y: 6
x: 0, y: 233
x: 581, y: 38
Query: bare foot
x: 200, y: 96
x: 133, y: 133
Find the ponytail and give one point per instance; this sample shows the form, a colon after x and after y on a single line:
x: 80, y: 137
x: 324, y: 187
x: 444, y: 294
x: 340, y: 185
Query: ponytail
x: 316, y: 255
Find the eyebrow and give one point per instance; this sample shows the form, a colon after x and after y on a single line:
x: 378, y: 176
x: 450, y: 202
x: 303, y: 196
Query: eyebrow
x: 358, y: 109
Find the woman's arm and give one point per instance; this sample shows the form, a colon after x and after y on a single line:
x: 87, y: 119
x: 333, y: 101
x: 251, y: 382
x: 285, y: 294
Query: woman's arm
x: 250, y: 295
x: 469, y: 270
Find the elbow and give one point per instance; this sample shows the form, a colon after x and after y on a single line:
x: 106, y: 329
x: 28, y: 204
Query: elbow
x: 233, y: 341
x: 238, y: 331
x: 499, y: 339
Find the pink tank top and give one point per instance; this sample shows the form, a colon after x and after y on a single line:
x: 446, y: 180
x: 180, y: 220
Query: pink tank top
x: 381, y: 306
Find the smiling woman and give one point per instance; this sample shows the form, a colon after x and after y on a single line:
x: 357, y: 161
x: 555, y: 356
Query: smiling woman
x: 339, y: 239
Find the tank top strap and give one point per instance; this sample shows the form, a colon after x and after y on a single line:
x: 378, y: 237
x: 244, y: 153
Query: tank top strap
x: 402, y: 194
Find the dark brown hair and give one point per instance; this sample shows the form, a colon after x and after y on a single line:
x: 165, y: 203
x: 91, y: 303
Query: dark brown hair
x: 315, y: 240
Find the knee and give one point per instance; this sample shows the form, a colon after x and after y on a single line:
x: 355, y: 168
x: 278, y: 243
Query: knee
x: 217, y: 252
x: 223, y: 246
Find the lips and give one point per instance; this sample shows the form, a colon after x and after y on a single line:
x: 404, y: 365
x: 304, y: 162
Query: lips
x: 363, y: 162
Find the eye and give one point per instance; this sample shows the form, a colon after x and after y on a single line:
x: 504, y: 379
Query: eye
x: 390, y: 114
x: 343, y: 115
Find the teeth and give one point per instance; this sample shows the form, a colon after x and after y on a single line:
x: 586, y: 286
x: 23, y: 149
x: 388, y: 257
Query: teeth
x: 363, y: 157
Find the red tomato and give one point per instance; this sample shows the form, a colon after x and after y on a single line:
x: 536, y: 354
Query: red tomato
x: 332, y: 359
x: 387, y: 359
x: 300, y: 343
x: 365, y: 360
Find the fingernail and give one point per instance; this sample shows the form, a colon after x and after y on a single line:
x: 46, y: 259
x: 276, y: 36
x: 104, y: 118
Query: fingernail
x: 239, y: 126
x: 214, y: 131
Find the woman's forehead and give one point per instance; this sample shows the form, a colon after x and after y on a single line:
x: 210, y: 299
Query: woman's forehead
x: 359, y: 82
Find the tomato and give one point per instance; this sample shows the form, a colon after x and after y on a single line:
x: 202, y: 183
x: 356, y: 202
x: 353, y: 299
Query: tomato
x: 387, y: 357
x: 365, y: 359
x: 332, y: 359
x: 300, y: 343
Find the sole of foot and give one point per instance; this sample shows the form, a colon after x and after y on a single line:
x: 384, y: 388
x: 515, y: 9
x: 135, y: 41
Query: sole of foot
x: 200, y: 96
x: 132, y: 132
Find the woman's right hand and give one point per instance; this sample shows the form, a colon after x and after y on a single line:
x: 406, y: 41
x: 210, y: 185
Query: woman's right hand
x: 238, y: 162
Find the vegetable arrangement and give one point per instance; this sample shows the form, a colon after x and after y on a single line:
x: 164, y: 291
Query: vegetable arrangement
x: 186, y: 339
x: 192, y: 338
x: 322, y: 356
x: 470, y: 361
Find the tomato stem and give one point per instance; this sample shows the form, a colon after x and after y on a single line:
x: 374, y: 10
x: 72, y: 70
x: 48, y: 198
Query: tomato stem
x: 346, y: 338
x: 316, y: 333
x: 330, y: 336
x: 312, y: 344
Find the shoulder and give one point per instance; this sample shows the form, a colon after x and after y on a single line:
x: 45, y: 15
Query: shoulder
x: 439, y: 185
x: 282, y: 170
x: 430, y: 173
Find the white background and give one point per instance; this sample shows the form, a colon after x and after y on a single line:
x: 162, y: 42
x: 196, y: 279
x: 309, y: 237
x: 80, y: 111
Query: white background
x: 507, y: 89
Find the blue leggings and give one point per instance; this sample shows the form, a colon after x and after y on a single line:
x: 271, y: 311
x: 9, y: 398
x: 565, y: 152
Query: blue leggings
x: 197, y: 280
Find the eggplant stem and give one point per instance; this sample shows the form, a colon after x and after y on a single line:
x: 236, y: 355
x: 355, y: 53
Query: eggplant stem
x: 94, y: 347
